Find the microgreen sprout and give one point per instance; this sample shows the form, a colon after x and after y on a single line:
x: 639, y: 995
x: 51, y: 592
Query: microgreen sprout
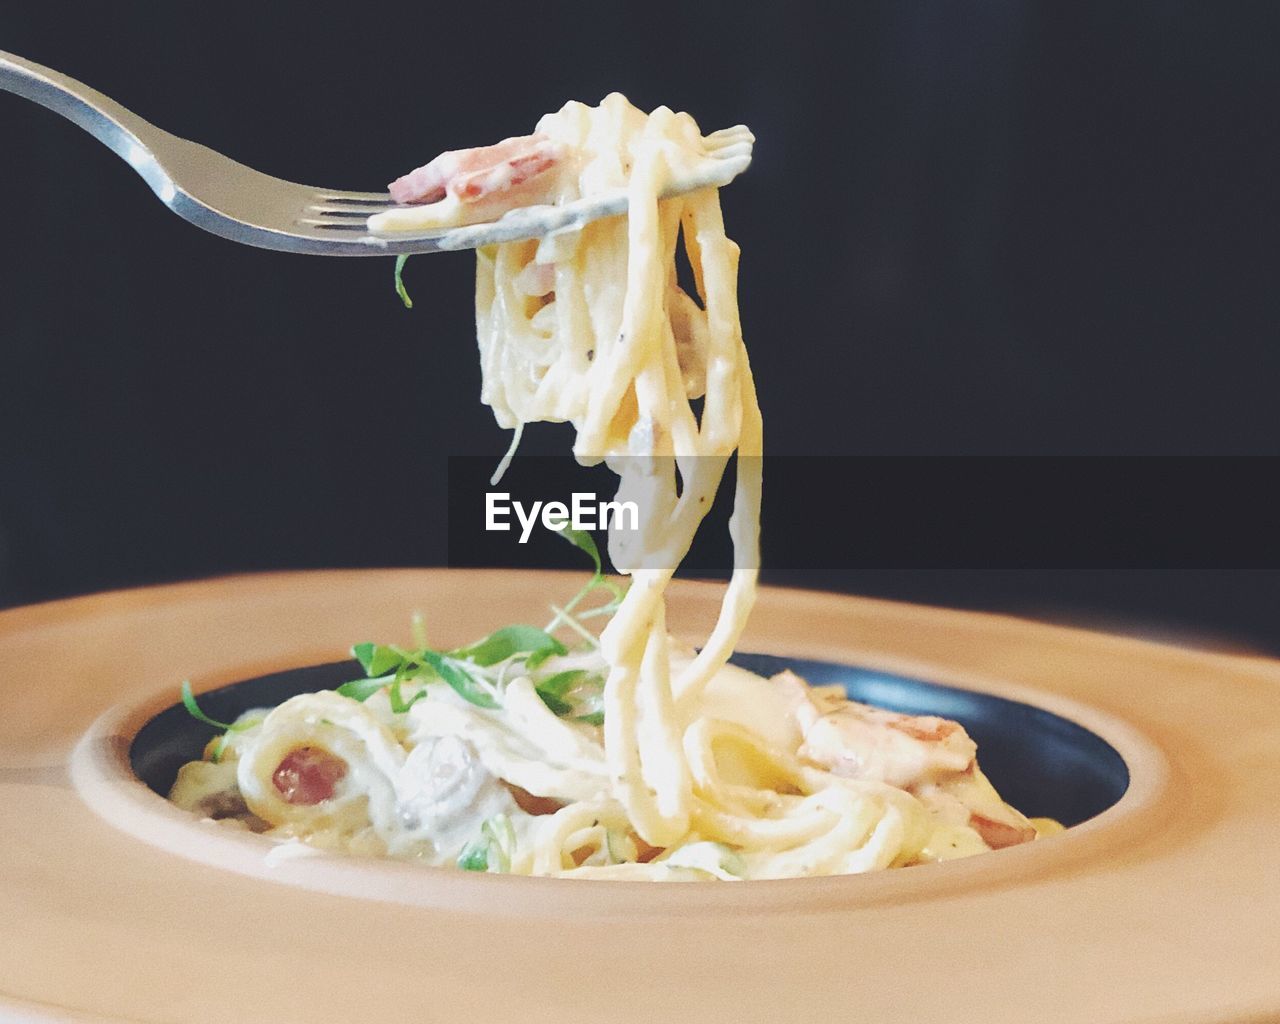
x: 583, y: 540
x: 193, y: 709
x: 479, y: 672
x: 403, y: 292
x: 493, y: 850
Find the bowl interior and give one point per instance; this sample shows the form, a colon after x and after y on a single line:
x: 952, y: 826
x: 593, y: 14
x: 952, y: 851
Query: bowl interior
x: 1042, y: 763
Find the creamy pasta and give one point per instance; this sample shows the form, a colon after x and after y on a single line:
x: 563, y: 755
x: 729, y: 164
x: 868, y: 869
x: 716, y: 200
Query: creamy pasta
x: 625, y: 755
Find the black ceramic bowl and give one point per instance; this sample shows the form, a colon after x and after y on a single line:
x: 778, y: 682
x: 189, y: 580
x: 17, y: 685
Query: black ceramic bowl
x: 1042, y: 764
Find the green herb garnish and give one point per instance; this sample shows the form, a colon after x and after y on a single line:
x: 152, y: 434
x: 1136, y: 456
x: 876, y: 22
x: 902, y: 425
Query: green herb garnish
x: 475, y: 857
x: 398, y: 704
x: 363, y: 689
x: 403, y: 292
x: 493, y: 850
x: 193, y: 709
x: 377, y: 659
x: 509, y: 641
x: 463, y: 683
x: 465, y: 669
x: 553, y: 689
x: 562, y: 682
x: 555, y: 705
x: 583, y: 540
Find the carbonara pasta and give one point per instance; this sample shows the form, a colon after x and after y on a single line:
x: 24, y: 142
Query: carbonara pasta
x: 627, y: 754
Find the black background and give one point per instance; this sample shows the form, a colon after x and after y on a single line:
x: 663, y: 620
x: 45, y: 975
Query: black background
x: 992, y: 228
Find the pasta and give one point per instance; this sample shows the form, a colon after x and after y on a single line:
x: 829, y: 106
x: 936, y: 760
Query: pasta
x: 632, y: 756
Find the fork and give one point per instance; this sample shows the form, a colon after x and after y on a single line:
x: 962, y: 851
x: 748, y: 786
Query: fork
x: 218, y: 194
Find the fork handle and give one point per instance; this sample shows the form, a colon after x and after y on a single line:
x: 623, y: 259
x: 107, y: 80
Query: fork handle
x: 116, y: 127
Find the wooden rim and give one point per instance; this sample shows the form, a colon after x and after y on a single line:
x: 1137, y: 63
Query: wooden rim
x: 1163, y: 904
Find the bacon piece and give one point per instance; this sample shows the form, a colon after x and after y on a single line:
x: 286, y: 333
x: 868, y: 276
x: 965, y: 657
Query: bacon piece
x: 308, y: 775
x: 925, y: 728
x: 530, y: 804
x: 475, y: 175
x: 998, y: 834
x: 644, y: 852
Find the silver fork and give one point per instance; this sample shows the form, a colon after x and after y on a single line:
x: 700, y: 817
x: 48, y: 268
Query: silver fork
x: 218, y: 194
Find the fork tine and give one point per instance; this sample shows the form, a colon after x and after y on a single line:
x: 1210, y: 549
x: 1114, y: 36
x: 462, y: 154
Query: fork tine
x: 318, y: 210
x: 343, y: 211
x: 328, y: 224
x: 354, y: 198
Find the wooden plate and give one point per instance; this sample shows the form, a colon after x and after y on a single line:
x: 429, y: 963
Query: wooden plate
x: 115, y: 906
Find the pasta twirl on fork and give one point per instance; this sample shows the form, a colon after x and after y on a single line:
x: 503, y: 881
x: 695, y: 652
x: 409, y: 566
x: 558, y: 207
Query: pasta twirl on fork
x: 630, y: 756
